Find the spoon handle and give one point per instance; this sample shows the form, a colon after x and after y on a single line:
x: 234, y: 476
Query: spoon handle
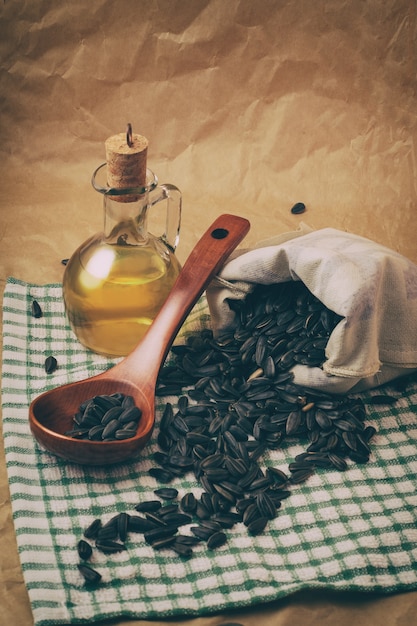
x: 205, y: 260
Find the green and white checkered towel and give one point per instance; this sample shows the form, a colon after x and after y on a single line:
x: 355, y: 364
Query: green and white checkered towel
x: 355, y: 530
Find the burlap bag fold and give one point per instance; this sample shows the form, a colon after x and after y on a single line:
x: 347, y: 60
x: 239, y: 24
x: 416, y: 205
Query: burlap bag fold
x: 372, y: 287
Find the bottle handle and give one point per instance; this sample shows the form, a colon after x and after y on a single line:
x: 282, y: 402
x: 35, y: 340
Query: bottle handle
x: 173, y: 197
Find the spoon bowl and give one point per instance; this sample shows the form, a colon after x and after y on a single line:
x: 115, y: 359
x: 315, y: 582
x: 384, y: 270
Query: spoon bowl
x: 51, y: 413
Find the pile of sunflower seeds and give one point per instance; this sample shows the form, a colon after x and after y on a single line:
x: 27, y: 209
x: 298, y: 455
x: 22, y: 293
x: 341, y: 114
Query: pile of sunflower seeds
x: 159, y: 521
x: 106, y: 418
x: 241, y: 401
x: 237, y: 399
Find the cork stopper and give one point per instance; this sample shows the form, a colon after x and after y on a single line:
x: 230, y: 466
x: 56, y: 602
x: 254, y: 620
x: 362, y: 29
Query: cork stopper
x: 126, y: 155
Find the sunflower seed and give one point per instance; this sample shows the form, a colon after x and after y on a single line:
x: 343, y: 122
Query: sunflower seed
x: 227, y: 520
x: 36, y: 309
x: 216, y: 540
x: 109, y: 429
x: 179, y: 519
x: 90, y: 575
x: 164, y: 542
x: 92, y: 530
x: 187, y: 540
x: 301, y: 475
x: 122, y: 526
x: 266, y: 505
x: 108, y: 546
x: 159, y: 533
x: 201, y: 532
x: 166, y: 493
x: 148, y: 506
x: 257, y: 526
x: 84, y: 550
x: 250, y: 513
x: 50, y: 364
x: 130, y: 414
x: 299, y: 207
x: 382, y: 399
x: 155, y: 519
x: 182, y: 549
x: 277, y: 476
x: 338, y: 462
x: 108, y: 531
x: 163, y: 476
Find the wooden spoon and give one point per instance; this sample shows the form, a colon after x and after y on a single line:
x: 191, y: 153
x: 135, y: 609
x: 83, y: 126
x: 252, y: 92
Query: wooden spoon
x: 51, y: 413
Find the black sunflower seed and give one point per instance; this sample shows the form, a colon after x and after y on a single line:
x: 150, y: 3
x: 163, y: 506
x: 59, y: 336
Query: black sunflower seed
x: 130, y: 414
x: 187, y: 540
x: 108, y: 546
x: 382, y: 399
x: 162, y: 475
x: 189, y: 503
x: 125, y: 433
x: 149, y: 506
x: 166, y: 493
x: 84, y: 550
x: 227, y: 520
x: 293, y: 422
x: 95, y: 432
x: 108, y: 531
x: 110, y: 429
x: 216, y: 540
x: 211, y: 524
x: 266, y: 505
x: 92, y: 530
x: 50, y: 364
x: 182, y: 549
x: 257, y: 526
x: 90, y: 575
x: 338, y: 462
x: 122, y: 526
x: 299, y: 207
x: 277, y: 476
x: 106, y: 402
x: 111, y: 414
x: 163, y: 542
x: 301, y: 475
x: 36, y: 309
x: 250, y: 513
x: 155, y: 519
x: 201, y: 532
x: 202, y: 511
x: 167, y: 509
x: 179, y: 519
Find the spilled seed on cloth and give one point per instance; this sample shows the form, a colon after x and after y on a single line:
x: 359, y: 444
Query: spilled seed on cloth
x: 50, y: 364
x: 36, y: 309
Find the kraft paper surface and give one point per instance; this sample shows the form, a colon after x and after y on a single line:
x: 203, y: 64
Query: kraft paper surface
x: 249, y: 107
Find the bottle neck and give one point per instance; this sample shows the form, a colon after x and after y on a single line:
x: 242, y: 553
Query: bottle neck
x: 125, y: 223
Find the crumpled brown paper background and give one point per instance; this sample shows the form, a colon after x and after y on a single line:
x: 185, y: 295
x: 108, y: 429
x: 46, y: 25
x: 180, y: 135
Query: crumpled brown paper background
x: 249, y: 107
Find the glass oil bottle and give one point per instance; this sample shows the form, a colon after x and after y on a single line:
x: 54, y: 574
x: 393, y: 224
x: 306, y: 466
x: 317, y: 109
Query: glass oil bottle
x: 115, y: 283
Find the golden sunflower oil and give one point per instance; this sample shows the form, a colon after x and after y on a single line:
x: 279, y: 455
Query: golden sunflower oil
x: 113, y: 291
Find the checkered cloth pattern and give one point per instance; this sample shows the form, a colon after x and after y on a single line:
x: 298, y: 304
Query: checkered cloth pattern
x: 353, y: 530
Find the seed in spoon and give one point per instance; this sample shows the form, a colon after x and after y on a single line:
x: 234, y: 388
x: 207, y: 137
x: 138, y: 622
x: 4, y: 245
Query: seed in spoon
x: 106, y: 418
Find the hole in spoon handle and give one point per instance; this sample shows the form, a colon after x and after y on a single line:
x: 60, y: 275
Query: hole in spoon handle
x: 219, y: 233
